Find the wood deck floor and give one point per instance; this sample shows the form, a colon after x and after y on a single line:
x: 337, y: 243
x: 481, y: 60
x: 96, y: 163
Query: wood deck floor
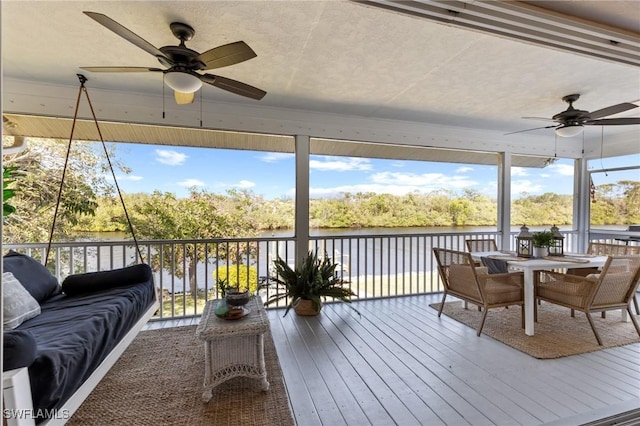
x: 399, y: 364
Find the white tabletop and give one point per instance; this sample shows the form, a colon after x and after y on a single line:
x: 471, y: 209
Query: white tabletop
x: 212, y: 327
x: 570, y: 260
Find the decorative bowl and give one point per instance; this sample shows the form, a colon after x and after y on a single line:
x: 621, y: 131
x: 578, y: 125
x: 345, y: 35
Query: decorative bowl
x: 237, y: 298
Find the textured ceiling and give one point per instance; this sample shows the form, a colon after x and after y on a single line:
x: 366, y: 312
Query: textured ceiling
x: 336, y: 57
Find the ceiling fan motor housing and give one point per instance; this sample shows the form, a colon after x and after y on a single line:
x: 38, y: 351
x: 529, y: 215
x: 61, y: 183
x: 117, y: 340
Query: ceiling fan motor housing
x: 181, y: 56
x: 572, y: 116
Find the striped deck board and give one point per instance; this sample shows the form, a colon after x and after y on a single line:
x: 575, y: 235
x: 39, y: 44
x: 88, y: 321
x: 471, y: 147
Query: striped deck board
x: 399, y: 364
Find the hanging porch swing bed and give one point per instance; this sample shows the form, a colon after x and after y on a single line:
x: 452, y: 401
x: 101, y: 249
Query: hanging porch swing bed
x: 61, y: 339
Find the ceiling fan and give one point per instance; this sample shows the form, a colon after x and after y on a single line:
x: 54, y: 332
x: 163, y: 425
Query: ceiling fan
x: 571, y: 121
x: 183, y: 64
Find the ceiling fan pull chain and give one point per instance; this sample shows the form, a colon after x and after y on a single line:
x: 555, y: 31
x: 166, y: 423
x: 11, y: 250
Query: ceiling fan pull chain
x: 602, y: 150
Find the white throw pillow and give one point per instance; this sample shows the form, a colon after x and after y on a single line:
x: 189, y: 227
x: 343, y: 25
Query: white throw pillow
x: 19, y: 305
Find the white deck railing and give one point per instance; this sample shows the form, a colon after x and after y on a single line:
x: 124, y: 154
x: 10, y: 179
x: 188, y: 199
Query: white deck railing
x: 186, y: 271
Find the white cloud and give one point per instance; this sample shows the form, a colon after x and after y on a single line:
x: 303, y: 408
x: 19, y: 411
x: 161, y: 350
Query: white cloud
x: 189, y: 183
x: 397, y: 184
x: 464, y: 169
x: 519, y: 171
x: 273, y: 157
x: 121, y: 178
x: 132, y: 177
x: 562, y: 169
x: 425, y: 182
x: 340, y: 165
x: 244, y: 184
x: 375, y: 188
x: 520, y: 186
x: 171, y: 158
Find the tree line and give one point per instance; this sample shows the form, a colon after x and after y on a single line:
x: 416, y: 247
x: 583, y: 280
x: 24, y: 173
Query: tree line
x: 90, y: 204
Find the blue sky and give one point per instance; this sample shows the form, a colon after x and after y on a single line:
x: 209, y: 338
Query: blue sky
x: 176, y: 169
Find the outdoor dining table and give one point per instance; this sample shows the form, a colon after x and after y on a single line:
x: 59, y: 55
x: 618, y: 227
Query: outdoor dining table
x: 530, y: 265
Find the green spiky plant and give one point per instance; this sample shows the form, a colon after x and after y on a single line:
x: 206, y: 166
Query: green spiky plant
x: 542, y: 239
x: 314, y: 280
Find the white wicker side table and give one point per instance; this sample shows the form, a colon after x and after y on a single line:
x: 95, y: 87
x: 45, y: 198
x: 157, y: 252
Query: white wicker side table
x: 233, y: 348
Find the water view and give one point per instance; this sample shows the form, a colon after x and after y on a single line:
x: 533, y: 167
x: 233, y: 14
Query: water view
x: 394, y: 253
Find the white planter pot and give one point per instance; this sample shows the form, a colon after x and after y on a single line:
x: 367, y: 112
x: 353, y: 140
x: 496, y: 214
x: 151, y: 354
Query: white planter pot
x: 539, y: 252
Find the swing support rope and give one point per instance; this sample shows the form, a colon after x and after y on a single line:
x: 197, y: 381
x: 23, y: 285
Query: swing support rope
x: 82, y: 89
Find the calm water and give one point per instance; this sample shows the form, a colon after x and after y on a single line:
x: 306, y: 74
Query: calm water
x: 324, y: 232
x: 328, y: 232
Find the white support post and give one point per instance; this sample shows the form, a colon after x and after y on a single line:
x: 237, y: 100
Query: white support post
x: 581, y: 204
x: 302, y: 198
x: 504, y: 200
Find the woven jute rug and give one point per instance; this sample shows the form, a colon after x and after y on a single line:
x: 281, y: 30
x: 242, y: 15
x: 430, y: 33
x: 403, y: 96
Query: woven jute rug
x: 557, y: 334
x: 158, y: 381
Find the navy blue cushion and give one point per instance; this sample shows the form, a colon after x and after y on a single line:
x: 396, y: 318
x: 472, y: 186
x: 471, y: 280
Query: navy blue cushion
x: 495, y: 266
x: 75, y: 334
x: 19, y: 349
x: 92, y: 282
x: 33, y: 275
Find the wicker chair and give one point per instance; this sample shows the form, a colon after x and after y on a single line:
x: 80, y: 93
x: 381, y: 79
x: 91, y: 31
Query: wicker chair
x: 483, y: 244
x: 602, y: 249
x: 611, y: 289
x: 472, y: 284
x: 599, y: 249
x: 488, y: 244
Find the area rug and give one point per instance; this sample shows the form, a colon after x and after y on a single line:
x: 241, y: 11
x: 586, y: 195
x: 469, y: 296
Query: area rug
x: 158, y: 381
x: 556, y: 333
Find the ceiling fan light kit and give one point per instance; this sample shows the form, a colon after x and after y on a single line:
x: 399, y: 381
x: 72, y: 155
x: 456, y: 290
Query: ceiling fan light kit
x: 569, y: 130
x: 182, y: 81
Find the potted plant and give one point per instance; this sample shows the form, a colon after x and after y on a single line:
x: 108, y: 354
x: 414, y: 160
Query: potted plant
x: 309, y: 284
x: 541, y: 241
x: 235, y: 295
